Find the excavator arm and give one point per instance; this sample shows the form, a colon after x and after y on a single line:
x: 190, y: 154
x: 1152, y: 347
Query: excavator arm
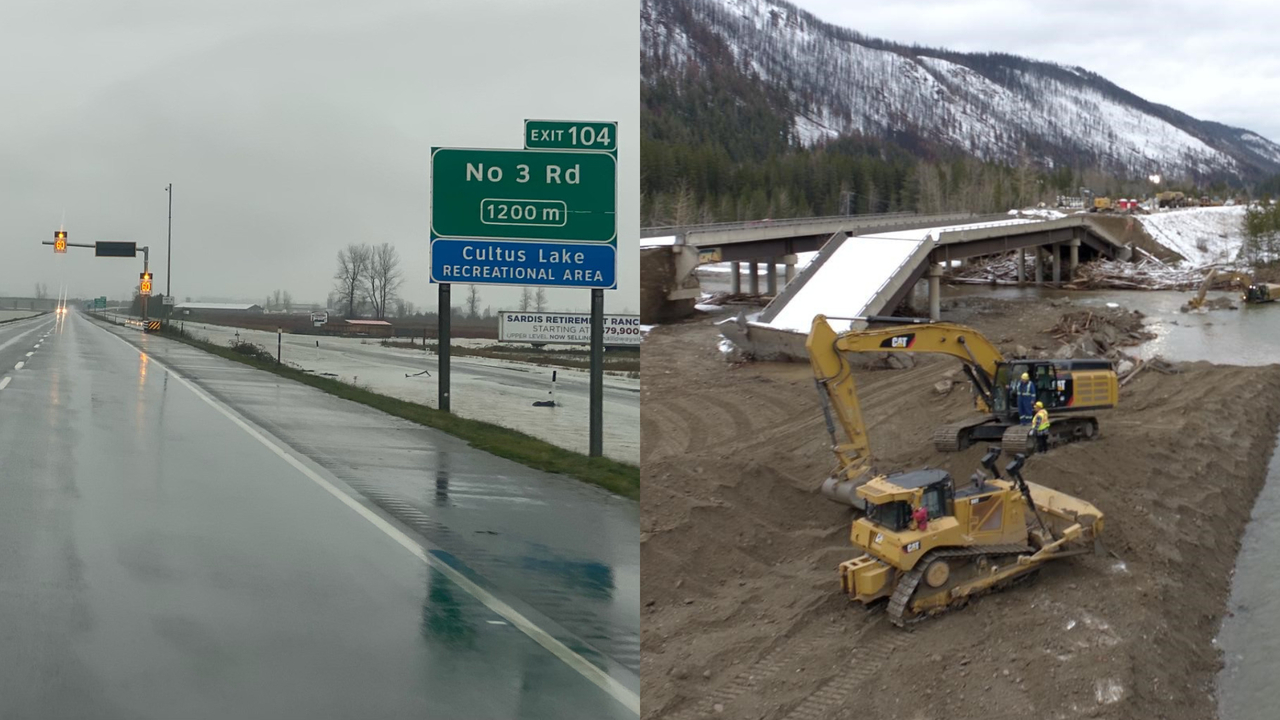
x: 1244, y: 279
x: 838, y: 392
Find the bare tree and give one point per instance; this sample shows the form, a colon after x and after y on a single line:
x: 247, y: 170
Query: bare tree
x: 287, y: 301
x: 473, y: 301
x: 41, y: 291
x: 526, y: 299
x: 540, y: 300
x: 353, y: 266
x: 276, y: 300
x: 383, y: 277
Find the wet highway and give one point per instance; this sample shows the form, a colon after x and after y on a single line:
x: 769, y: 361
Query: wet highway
x: 231, y: 545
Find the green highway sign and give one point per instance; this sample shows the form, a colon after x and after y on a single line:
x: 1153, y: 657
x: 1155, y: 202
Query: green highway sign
x: 523, y: 195
x: 100, y: 303
x: 571, y: 135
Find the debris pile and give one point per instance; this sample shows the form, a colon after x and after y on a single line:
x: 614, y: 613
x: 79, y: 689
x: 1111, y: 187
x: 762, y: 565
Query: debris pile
x: 1101, y: 334
x: 1148, y: 273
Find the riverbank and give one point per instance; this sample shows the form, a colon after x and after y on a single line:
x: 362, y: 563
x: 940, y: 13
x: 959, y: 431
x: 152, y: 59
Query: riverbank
x: 743, y: 614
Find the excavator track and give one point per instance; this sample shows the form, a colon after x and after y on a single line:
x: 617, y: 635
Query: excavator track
x: 1020, y: 439
x: 957, y: 436
x: 901, y: 603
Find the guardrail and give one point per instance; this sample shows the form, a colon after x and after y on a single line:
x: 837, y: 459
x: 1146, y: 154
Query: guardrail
x: 663, y: 230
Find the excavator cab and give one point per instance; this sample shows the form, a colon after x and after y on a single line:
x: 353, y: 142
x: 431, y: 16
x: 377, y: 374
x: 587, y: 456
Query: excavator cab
x: 1051, y: 389
x: 1260, y: 293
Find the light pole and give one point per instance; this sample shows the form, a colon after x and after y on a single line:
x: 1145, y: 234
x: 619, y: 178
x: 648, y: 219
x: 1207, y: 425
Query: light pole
x: 168, y: 253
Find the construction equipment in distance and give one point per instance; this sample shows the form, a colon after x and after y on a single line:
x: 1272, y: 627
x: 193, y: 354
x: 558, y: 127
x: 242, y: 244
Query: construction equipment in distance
x: 1253, y: 292
x: 1067, y: 388
x: 980, y: 537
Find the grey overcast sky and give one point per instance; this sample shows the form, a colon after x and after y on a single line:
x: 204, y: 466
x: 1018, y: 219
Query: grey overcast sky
x: 1214, y: 61
x: 288, y: 128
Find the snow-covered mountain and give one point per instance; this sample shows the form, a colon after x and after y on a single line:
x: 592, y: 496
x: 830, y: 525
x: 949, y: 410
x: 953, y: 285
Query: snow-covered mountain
x: 992, y: 106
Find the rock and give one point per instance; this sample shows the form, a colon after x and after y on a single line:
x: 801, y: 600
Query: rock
x: 1125, y: 367
x: 902, y: 361
x: 718, y: 707
x: 942, y: 387
x: 1021, y: 351
x: 706, y: 674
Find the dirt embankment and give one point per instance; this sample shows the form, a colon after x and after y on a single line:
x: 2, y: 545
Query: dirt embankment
x: 742, y: 614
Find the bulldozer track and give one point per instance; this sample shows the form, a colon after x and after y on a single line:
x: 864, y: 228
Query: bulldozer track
x: 760, y: 672
x: 900, y: 601
x: 822, y: 704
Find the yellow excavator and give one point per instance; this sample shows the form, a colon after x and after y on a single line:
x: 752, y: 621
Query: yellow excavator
x: 929, y: 545
x: 1066, y: 387
x: 1254, y: 292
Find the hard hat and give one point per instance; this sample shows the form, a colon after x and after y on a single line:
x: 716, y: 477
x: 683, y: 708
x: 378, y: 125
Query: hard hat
x: 1039, y: 405
x: 1026, y: 376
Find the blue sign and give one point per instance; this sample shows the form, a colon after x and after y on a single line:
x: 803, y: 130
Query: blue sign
x: 505, y: 262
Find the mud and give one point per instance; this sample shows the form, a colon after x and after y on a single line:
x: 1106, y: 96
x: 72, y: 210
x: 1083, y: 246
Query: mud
x: 742, y: 614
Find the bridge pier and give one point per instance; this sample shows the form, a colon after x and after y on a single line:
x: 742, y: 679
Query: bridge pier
x: 1057, y: 263
x: 790, y: 262
x: 735, y: 286
x: 935, y: 292
x: 1022, y: 267
x: 1039, y: 253
x: 1075, y: 257
x: 754, y: 282
x: 771, y: 278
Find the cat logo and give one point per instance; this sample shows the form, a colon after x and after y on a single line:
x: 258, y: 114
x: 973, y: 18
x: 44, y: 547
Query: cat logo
x: 899, y: 342
x: 879, y: 537
x: 912, y: 547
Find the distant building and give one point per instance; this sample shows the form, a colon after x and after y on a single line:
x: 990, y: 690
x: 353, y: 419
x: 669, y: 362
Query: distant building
x: 371, y: 328
x: 195, y: 309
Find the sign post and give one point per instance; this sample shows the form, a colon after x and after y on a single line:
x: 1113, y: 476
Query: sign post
x: 442, y: 344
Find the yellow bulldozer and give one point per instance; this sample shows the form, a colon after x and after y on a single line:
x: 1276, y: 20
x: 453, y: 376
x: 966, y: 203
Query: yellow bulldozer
x: 930, y: 545
x: 1069, y: 389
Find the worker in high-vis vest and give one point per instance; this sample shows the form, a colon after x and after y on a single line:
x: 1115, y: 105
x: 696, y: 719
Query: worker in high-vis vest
x: 1025, y: 390
x: 1041, y: 425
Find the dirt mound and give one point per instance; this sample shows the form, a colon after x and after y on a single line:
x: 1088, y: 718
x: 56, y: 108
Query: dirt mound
x: 742, y: 611
x: 1218, y: 303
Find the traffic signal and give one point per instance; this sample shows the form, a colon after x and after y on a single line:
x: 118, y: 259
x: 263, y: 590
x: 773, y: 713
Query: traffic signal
x: 145, y: 288
x: 59, y: 241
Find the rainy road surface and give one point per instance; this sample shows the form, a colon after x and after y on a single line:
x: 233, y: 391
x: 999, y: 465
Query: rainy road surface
x: 197, y: 548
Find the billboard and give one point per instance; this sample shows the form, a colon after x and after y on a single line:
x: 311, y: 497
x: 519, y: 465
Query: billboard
x: 566, y: 328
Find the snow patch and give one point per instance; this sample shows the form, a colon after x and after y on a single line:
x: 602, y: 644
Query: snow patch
x: 1204, y: 236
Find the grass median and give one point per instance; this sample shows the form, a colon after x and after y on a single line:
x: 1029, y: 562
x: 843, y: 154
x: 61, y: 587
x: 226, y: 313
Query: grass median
x: 617, y: 477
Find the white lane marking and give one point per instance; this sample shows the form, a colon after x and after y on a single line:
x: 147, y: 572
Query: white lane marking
x: 600, y: 678
x: 16, y: 338
x: 18, y: 366
x: 37, y: 346
x: 5, y: 382
x: 31, y: 353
